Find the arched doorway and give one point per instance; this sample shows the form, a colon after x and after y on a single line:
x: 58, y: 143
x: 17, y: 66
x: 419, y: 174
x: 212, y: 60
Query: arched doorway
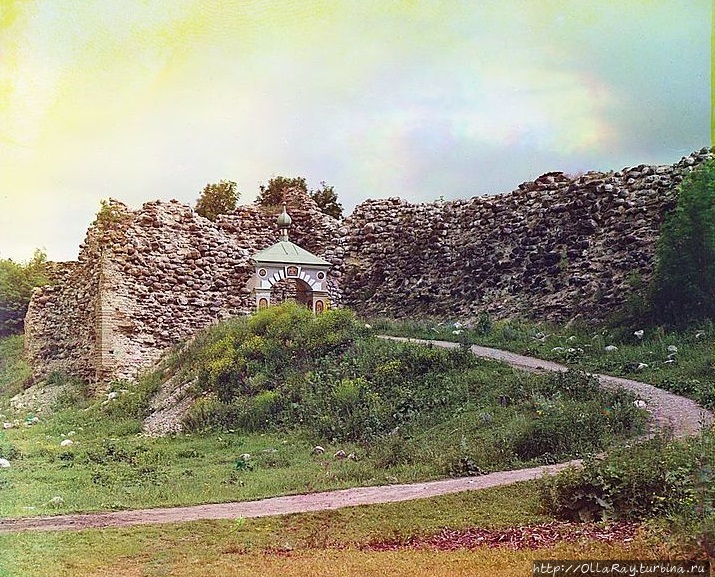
x: 291, y: 289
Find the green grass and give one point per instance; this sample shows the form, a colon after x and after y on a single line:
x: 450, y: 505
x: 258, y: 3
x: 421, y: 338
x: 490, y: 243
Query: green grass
x: 408, y: 412
x: 320, y: 543
x: 165, y: 546
x: 688, y: 372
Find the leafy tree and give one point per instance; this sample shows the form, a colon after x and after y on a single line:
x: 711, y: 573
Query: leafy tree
x: 327, y: 200
x: 16, y: 284
x: 273, y: 193
x: 217, y: 199
x: 683, y: 285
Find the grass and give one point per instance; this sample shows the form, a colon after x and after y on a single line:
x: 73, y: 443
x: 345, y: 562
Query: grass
x: 409, y: 413
x: 321, y: 543
x: 110, y: 465
x: 687, y: 371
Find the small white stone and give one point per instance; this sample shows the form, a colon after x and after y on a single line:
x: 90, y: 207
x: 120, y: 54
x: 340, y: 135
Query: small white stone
x: 672, y: 349
x: 640, y: 404
x: 113, y: 395
x: 367, y: 326
x: 66, y: 443
x: 318, y: 450
x: 639, y: 333
x: 611, y: 348
x: 340, y: 454
x: 8, y: 425
x: 641, y: 366
x: 4, y: 463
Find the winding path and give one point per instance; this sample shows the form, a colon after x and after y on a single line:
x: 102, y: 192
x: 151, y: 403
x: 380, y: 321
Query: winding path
x: 683, y: 416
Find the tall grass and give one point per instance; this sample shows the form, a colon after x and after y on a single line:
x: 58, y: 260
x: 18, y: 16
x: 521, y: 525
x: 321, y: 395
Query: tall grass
x: 680, y: 361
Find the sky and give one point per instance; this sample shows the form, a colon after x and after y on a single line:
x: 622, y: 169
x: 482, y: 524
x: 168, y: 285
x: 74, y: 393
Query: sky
x: 152, y: 99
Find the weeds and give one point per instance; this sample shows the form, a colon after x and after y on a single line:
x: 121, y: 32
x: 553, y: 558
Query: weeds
x: 678, y: 361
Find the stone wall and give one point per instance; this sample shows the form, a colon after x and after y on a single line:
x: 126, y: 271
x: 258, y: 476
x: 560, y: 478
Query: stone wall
x: 553, y: 248
x: 149, y: 278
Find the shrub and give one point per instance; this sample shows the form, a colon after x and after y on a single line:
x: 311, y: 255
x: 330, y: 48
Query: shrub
x: 17, y: 282
x: 683, y: 285
x: 216, y: 199
x: 7, y: 449
x: 654, y: 478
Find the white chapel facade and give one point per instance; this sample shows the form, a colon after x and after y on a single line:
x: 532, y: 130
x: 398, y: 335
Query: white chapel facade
x: 286, y: 261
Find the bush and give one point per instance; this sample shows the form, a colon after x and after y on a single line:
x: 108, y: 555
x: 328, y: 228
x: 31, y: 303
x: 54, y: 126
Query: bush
x: 216, y: 199
x: 683, y: 285
x: 17, y: 282
x: 654, y: 478
x: 7, y: 449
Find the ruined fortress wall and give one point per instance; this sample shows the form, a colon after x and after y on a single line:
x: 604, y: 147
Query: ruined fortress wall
x: 553, y: 248
x: 149, y: 278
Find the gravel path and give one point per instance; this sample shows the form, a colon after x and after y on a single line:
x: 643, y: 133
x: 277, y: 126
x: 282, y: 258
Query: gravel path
x: 280, y: 505
x: 668, y: 410
x: 683, y: 416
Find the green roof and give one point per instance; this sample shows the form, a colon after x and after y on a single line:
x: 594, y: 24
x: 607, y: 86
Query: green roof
x: 285, y: 252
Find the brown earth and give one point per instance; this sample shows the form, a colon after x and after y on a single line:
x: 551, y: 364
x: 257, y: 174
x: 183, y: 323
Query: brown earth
x: 683, y: 416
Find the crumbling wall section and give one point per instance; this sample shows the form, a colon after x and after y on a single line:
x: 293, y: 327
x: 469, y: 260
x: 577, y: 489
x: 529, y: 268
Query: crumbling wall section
x: 151, y: 277
x: 551, y: 249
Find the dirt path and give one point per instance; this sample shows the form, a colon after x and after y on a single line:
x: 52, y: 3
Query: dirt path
x: 280, y: 505
x: 684, y: 416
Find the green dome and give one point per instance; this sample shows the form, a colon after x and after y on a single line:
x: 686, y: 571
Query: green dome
x: 284, y: 219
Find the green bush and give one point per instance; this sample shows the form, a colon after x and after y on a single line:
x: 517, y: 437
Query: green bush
x: 14, y: 370
x: 17, y: 282
x: 7, y: 449
x: 218, y: 198
x: 683, y: 285
x: 655, y: 478
x: 327, y: 376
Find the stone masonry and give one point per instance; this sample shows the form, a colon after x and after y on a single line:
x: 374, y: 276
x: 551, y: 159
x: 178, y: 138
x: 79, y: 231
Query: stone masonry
x: 149, y: 278
x: 553, y: 248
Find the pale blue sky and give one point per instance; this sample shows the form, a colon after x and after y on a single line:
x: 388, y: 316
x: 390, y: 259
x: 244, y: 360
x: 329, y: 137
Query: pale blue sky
x: 140, y: 100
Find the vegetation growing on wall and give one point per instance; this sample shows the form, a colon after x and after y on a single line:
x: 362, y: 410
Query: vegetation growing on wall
x: 218, y: 198
x: 273, y: 194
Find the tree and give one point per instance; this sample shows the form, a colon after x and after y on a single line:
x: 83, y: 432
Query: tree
x: 327, y: 200
x: 273, y: 194
x: 217, y: 199
x: 683, y: 284
x: 16, y: 284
